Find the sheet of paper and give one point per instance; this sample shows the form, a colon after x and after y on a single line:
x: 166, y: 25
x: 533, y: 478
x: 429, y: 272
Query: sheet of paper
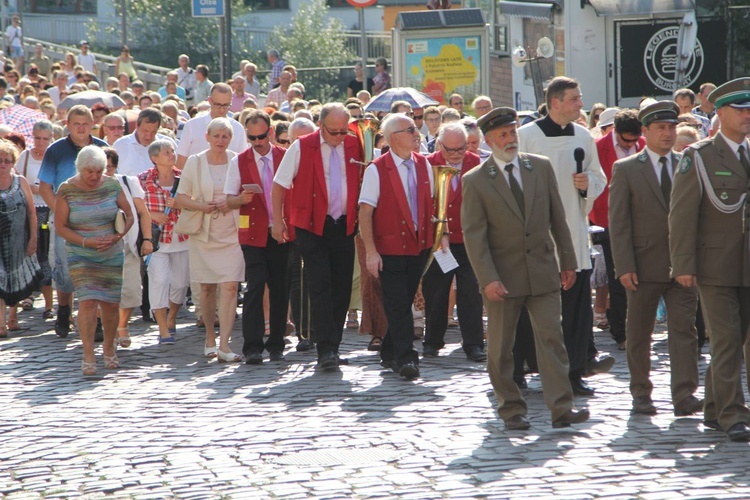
x: 445, y: 260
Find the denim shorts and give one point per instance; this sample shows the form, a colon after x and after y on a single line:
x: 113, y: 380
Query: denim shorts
x: 16, y: 52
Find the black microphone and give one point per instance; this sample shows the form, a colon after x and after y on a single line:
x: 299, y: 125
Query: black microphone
x: 579, y: 154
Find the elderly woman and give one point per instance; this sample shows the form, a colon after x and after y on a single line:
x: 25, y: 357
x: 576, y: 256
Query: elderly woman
x: 168, y: 277
x: 19, y: 270
x: 28, y: 165
x: 215, y: 255
x: 131, y: 272
x: 85, y: 211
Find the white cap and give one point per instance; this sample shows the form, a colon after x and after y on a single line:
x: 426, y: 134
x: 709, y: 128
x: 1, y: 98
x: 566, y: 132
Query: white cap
x: 607, y: 117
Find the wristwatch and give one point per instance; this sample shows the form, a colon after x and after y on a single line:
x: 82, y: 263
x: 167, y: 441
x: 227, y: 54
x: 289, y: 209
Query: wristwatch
x: 149, y: 239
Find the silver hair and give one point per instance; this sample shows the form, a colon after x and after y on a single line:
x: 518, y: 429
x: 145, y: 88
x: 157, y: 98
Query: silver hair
x: 43, y: 125
x: 391, y: 123
x: 331, y: 108
x: 454, y: 127
x: 92, y: 157
x: 220, y: 124
x: 299, y: 127
x: 157, y: 146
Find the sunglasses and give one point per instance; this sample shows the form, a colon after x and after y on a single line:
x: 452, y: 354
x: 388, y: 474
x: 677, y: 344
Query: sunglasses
x: 258, y: 137
x: 418, y: 117
x: 334, y: 132
x: 283, y: 141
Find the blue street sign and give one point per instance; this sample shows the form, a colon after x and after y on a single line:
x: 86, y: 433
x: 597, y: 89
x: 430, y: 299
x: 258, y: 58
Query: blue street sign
x: 208, y: 8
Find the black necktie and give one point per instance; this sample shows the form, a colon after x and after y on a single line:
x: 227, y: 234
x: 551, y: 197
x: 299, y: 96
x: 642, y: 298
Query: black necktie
x: 515, y: 188
x: 743, y: 160
x: 666, y: 181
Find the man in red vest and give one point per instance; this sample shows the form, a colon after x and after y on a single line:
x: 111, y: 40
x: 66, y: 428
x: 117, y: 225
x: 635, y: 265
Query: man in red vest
x: 251, y: 172
x: 436, y: 284
x: 395, y: 210
x: 323, y: 172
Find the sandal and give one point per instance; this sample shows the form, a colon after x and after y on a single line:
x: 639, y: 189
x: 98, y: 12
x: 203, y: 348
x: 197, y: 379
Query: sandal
x: 27, y: 304
x: 48, y: 314
x: 88, y: 369
x: 13, y: 325
x: 209, y: 352
x: 123, y: 340
x: 111, y: 362
x: 375, y: 344
x: 228, y: 357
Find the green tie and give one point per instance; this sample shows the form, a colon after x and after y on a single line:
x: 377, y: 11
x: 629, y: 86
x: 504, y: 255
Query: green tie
x: 666, y: 181
x: 515, y: 188
x: 743, y: 160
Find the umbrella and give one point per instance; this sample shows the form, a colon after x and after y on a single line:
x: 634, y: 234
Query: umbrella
x: 383, y: 101
x: 131, y: 117
x: 90, y: 97
x: 22, y: 120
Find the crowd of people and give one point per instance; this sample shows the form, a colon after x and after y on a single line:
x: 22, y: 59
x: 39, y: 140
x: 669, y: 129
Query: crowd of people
x: 178, y: 196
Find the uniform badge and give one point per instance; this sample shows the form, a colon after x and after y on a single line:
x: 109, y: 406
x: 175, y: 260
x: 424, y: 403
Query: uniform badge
x: 724, y: 196
x: 492, y: 171
x: 642, y: 157
x: 685, y: 164
x: 527, y: 163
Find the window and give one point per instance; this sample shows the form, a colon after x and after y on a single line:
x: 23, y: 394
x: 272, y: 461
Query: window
x: 268, y: 4
x: 338, y: 3
x: 60, y: 6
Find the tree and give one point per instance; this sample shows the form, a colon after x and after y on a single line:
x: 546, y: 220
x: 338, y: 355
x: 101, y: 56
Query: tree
x: 314, y: 40
x: 160, y: 30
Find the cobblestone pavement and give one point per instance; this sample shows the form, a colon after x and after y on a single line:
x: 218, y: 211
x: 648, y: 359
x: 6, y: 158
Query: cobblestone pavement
x: 170, y: 424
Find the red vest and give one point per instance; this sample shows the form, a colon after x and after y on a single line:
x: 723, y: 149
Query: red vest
x: 257, y: 234
x: 453, y: 212
x: 309, y: 193
x: 392, y: 226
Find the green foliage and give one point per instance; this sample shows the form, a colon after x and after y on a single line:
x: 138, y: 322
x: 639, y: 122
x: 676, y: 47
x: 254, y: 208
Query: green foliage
x: 313, y: 40
x: 160, y: 30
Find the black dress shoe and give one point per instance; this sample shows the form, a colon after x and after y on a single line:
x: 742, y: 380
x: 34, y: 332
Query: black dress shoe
x: 688, y: 406
x: 389, y: 365
x: 517, y: 423
x: 254, y: 358
x: 521, y: 382
x: 643, y: 405
x: 430, y: 351
x: 409, y: 371
x: 571, y: 417
x: 713, y: 425
x: 739, y: 432
x: 276, y: 356
x: 328, y: 361
x: 305, y: 345
x: 476, y: 353
x: 581, y: 388
x: 602, y: 364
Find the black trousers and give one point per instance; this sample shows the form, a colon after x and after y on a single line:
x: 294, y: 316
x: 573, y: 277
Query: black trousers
x: 578, y: 323
x: 265, y: 266
x: 436, y: 287
x: 524, y: 349
x: 299, y: 295
x: 329, y: 262
x: 399, y: 280
x: 618, y: 301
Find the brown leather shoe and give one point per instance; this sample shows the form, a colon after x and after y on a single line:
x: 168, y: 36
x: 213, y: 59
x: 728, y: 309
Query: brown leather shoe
x: 571, y: 417
x: 688, y: 406
x: 517, y: 423
x: 643, y: 405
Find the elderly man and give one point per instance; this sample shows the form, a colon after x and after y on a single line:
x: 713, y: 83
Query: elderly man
x: 515, y: 232
x: 395, y: 219
x: 133, y: 148
x: 708, y: 231
x: 295, y: 92
x: 639, y: 198
x: 42, y: 62
x: 705, y: 108
x: 58, y: 165
x: 277, y: 64
x: 238, y: 94
x: 436, y: 284
x: 60, y: 90
x: 278, y: 95
x: 558, y: 136
x: 172, y: 77
x: 319, y: 167
x: 193, y: 139
x: 266, y: 260
x: 114, y: 127
x: 252, y: 86
x: 456, y: 101
x: 185, y: 77
x: 481, y: 105
x: 202, y: 84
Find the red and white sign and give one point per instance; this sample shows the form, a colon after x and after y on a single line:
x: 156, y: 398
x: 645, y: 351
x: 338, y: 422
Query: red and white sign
x: 362, y: 3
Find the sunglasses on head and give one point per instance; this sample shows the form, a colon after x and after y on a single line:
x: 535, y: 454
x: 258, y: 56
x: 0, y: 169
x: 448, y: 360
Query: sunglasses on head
x: 258, y: 137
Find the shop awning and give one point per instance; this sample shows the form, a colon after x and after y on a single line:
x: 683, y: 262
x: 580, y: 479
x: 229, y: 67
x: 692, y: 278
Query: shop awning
x: 536, y: 10
x: 606, y: 8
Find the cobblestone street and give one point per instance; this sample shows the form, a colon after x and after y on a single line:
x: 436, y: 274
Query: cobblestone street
x: 170, y: 424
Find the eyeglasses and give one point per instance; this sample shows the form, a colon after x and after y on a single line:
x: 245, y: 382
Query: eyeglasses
x: 334, y: 132
x: 7, y: 161
x: 410, y: 130
x: 115, y: 127
x: 258, y: 137
x: 418, y: 117
x: 221, y: 106
x: 283, y: 141
x: 462, y: 149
